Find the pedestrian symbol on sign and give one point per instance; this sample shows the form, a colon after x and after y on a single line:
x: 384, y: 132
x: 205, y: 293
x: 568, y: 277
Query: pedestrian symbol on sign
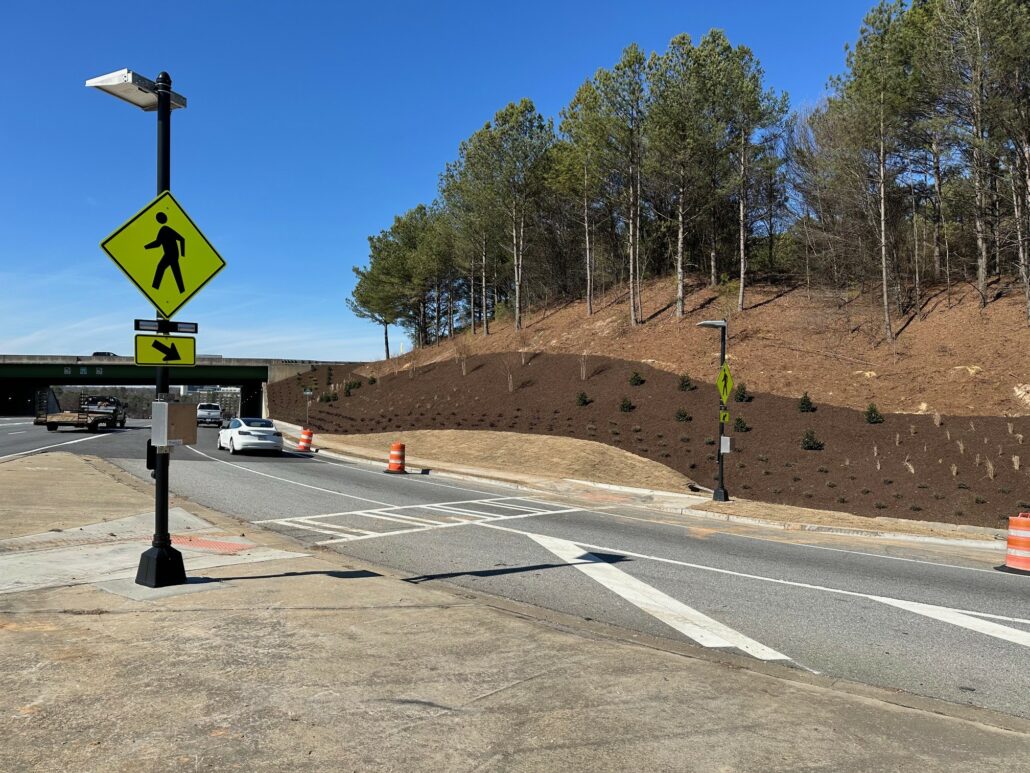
x: 174, y: 246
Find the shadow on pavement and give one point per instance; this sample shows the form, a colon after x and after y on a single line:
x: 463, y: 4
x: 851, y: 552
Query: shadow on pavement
x: 586, y: 558
x: 357, y: 574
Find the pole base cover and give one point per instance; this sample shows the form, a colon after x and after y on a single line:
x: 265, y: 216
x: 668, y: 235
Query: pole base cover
x: 720, y: 495
x: 161, y: 567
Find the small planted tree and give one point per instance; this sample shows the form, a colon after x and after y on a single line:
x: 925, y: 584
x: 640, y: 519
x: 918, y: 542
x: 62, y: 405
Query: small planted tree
x: 582, y: 399
x: 740, y: 425
x: 805, y: 404
x: 809, y: 442
x: 682, y: 415
x: 686, y: 383
x: 626, y: 406
x: 873, y: 415
x: 741, y: 395
x: 636, y: 379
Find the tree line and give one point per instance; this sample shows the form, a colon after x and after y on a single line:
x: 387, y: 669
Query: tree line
x: 911, y: 176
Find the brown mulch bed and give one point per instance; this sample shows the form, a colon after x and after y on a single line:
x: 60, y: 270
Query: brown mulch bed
x: 907, y: 467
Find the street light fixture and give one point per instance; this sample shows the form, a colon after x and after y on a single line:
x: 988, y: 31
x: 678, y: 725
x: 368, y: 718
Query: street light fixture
x: 719, y: 494
x: 162, y: 564
x: 133, y: 88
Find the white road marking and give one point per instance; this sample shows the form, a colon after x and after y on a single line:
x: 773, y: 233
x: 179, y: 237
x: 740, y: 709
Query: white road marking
x: 962, y: 619
x: 988, y: 546
x: 19, y: 432
x: 56, y: 445
x: 695, y: 625
x: 431, y: 516
x: 945, y: 614
x: 287, y: 480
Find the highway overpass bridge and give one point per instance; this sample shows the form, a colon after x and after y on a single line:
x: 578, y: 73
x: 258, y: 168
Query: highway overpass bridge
x: 22, y: 375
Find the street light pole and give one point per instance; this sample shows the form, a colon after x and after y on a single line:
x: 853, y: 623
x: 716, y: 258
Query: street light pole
x: 720, y: 494
x: 162, y: 564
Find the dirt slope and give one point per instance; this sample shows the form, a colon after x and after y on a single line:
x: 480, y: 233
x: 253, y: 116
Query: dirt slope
x: 962, y: 471
x: 954, y: 358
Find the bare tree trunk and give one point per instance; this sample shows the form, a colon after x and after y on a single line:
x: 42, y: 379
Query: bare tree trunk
x: 637, y: 248
x: 516, y: 251
x: 632, y: 252
x: 679, y: 252
x: 995, y: 172
x: 741, y: 219
x: 386, y: 339
x: 438, y: 310
x: 450, y: 311
x: 883, y: 226
x: 472, y: 296
x: 915, y: 248
x: 484, y: 310
x: 713, y: 280
x: 978, y: 171
x: 1017, y: 213
x: 586, y: 241
x: 938, y: 208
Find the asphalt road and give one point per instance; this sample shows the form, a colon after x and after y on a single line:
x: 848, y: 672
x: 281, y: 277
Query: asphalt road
x: 937, y: 622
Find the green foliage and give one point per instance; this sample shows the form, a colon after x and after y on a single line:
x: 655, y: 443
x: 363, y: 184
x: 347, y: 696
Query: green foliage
x: 682, y: 415
x: 739, y: 425
x: 636, y: 379
x: 582, y: 399
x: 626, y: 406
x: 372, y: 380
x: 805, y: 404
x: 741, y: 395
x: 809, y: 442
x: 873, y: 415
x: 686, y: 384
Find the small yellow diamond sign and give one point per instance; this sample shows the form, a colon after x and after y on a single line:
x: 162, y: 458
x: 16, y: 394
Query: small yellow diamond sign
x: 165, y: 350
x: 164, y: 254
x: 724, y: 417
x: 724, y: 383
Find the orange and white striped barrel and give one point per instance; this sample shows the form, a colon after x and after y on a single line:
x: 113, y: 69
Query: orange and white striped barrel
x: 1017, y: 551
x: 304, y: 444
x: 396, y: 465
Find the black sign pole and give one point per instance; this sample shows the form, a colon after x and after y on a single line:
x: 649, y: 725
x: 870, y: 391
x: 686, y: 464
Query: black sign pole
x: 161, y: 564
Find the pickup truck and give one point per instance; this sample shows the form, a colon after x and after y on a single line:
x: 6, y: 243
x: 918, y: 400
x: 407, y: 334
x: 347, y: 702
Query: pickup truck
x: 209, y: 413
x: 94, y: 411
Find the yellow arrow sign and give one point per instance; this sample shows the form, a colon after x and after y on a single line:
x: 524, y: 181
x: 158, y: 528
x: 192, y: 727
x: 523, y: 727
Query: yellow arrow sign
x: 725, y: 382
x: 164, y: 254
x: 165, y: 350
x: 724, y: 417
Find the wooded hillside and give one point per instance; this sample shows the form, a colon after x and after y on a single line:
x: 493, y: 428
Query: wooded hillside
x: 686, y: 164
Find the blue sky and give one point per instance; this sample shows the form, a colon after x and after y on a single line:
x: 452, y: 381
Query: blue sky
x: 309, y: 126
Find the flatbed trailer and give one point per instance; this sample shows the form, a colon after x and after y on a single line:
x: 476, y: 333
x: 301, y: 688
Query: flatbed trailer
x: 93, y: 413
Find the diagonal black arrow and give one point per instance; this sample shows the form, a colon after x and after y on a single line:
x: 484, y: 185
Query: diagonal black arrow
x: 171, y: 353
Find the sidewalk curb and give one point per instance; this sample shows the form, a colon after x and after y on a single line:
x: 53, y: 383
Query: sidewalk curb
x: 529, y: 483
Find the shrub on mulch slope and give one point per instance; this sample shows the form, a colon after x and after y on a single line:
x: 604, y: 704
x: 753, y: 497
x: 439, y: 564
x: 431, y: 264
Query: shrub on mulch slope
x: 905, y: 467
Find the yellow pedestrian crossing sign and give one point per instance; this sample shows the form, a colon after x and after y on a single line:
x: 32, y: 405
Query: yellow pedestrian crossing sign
x: 165, y: 350
x: 724, y: 417
x: 164, y: 254
x: 724, y: 382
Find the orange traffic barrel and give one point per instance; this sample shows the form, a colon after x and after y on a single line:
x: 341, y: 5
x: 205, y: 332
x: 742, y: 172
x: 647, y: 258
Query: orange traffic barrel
x: 1017, y: 551
x: 396, y: 465
x: 304, y: 444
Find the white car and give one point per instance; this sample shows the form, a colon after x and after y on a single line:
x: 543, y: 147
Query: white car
x: 249, y: 435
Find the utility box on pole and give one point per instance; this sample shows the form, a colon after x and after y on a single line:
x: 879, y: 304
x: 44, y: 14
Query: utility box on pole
x: 173, y: 424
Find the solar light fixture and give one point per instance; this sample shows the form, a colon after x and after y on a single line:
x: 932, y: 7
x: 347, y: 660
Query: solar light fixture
x: 133, y: 88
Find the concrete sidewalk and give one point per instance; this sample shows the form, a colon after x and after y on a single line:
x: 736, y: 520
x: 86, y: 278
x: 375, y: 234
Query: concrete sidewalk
x: 318, y: 663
